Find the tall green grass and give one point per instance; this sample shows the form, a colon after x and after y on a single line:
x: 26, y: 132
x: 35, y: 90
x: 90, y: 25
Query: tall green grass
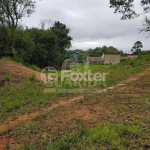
x: 23, y: 98
x: 14, y: 58
x: 106, y: 136
x: 117, y: 73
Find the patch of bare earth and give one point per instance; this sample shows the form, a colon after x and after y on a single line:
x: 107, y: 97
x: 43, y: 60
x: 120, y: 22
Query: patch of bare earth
x: 17, y: 71
x: 91, y: 113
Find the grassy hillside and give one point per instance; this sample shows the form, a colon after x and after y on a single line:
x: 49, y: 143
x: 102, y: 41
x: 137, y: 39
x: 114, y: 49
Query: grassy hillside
x: 116, y: 119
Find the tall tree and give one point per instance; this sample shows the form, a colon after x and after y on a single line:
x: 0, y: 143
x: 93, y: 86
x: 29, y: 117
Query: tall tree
x: 136, y: 49
x: 11, y: 11
x: 63, y: 38
x: 127, y: 9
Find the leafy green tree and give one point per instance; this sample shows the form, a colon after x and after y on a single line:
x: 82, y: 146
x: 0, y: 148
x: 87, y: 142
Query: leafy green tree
x: 136, y: 49
x: 63, y: 39
x: 126, y: 8
x: 98, y: 51
x: 11, y: 11
x: 24, y: 45
x: 45, y: 52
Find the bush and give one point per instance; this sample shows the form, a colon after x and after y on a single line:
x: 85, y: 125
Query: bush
x: 17, y: 59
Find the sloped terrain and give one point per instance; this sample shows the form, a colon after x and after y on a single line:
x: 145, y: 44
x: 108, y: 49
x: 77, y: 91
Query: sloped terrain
x: 116, y: 117
x: 122, y: 103
x: 18, y: 72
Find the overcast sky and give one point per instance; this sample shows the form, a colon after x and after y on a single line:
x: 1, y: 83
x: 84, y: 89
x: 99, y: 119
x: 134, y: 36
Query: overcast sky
x: 92, y: 23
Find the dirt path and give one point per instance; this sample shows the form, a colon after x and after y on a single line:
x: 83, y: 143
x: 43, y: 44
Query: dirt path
x: 8, y: 124
x: 137, y: 76
x: 11, y: 123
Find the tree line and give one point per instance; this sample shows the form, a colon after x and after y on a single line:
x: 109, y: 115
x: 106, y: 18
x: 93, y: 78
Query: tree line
x: 98, y: 51
x: 49, y: 46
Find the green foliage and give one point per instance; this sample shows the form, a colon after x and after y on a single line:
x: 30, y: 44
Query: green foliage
x: 146, y: 24
x: 136, y: 49
x: 32, y: 77
x: 128, y: 11
x: 23, y: 98
x: 7, y: 77
x: 144, y: 56
x: 24, y: 45
x: 108, y: 136
x: 63, y: 39
x: 126, y: 8
x: 98, y: 51
x: 11, y: 12
x: 15, y: 58
x: 34, y: 67
x: 41, y: 47
x: 128, y: 130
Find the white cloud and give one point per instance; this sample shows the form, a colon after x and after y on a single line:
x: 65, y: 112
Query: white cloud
x: 92, y: 23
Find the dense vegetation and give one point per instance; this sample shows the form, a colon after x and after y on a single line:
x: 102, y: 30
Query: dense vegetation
x: 41, y: 47
x: 44, y: 47
x: 98, y: 51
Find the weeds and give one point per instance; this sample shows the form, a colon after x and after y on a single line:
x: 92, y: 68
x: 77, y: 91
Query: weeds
x: 7, y: 77
x: 34, y: 67
x: 15, y: 58
x: 107, y: 136
x: 23, y: 98
x: 129, y: 129
x: 32, y: 77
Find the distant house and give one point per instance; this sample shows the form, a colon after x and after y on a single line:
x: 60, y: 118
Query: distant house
x: 111, y: 58
x: 94, y: 60
x: 129, y: 57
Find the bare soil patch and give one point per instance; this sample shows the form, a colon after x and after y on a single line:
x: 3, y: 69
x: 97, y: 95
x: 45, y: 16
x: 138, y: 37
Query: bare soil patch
x: 18, y: 72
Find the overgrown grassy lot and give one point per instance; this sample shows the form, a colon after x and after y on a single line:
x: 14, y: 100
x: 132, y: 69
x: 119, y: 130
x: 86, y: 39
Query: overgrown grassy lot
x: 116, y: 119
x: 113, y: 74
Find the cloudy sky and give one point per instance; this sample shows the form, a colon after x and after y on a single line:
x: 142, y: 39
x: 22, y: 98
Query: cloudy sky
x: 92, y: 23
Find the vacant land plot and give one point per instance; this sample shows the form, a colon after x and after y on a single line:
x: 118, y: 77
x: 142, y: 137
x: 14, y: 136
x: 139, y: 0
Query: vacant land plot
x: 114, y: 118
